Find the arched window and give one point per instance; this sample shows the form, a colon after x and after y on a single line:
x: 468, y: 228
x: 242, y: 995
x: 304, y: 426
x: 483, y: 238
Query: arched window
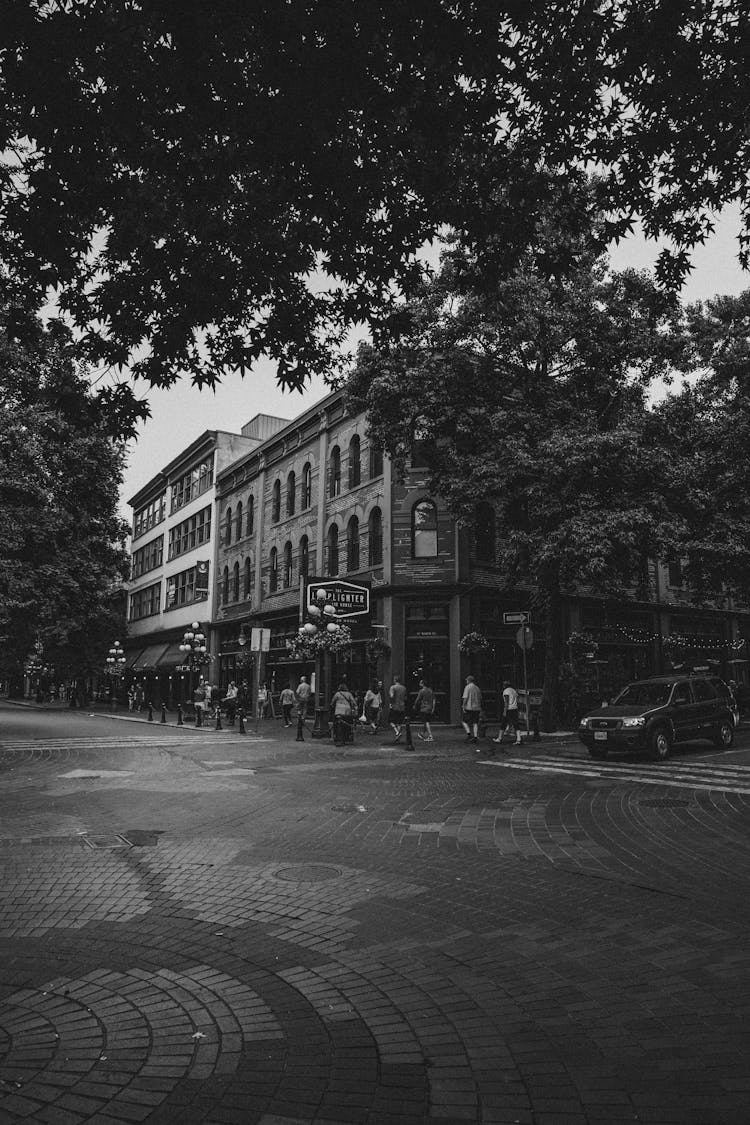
x: 484, y: 533
x: 273, y: 572
x: 306, y: 486
x: 333, y: 550
x: 287, y: 576
x: 291, y: 489
x: 424, y: 530
x: 355, y: 467
x: 248, y: 577
x: 238, y: 521
x: 375, y: 537
x: 228, y: 527
x: 250, y: 514
x: 225, y: 586
x: 236, y: 583
x: 276, y: 502
x: 376, y: 462
x: 334, y: 472
x: 352, y: 544
x: 304, y: 556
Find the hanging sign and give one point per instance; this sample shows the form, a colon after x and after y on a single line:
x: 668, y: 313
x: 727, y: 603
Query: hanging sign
x: 349, y: 599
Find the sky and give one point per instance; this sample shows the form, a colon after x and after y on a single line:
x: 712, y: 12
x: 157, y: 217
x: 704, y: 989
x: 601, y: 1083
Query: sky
x: 182, y: 413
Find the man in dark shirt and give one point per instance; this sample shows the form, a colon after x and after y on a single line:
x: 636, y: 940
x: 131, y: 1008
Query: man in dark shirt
x: 398, y: 696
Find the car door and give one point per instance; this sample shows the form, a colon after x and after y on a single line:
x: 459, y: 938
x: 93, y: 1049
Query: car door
x: 682, y: 709
x: 706, y: 708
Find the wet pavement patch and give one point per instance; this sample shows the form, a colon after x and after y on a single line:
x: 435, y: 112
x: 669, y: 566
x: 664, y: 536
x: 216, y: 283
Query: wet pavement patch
x: 307, y: 873
x: 143, y: 837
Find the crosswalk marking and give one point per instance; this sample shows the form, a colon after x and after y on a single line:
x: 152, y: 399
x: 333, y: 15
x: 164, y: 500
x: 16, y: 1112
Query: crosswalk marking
x: 93, y: 742
x: 734, y: 779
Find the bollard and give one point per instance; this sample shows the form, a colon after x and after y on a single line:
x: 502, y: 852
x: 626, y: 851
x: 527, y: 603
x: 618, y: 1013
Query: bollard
x: 151, y: 712
x: 218, y: 719
x: 300, y: 727
x: 407, y: 730
x: 163, y: 718
x: 535, y: 728
x: 199, y: 716
x: 242, y: 721
x: 180, y: 721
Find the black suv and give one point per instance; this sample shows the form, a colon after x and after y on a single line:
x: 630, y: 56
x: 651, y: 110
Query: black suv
x: 655, y: 714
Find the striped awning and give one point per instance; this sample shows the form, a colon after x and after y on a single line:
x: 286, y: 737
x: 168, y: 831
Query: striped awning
x: 149, y: 658
x: 171, y: 657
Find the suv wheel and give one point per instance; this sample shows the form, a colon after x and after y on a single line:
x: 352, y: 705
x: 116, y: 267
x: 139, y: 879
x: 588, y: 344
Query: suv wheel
x: 660, y: 744
x: 724, y: 736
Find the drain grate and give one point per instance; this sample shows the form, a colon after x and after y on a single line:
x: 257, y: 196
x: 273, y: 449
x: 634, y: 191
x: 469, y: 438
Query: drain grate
x: 308, y: 873
x: 665, y: 803
x: 106, y: 842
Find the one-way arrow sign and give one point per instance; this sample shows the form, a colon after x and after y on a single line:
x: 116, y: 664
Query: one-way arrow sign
x: 520, y: 617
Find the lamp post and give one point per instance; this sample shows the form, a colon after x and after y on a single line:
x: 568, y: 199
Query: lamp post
x: 323, y: 619
x: 194, y: 657
x: 115, y: 667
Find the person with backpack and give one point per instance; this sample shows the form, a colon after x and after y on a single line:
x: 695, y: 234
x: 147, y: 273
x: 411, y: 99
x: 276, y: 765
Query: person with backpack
x: 344, y: 707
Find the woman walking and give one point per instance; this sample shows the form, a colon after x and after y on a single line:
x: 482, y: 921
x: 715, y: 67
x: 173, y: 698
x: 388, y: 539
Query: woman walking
x: 424, y: 708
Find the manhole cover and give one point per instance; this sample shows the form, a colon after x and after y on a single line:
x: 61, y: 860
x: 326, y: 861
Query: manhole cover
x: 665, y: 803
x: 308, y: 873
x: 348, y: 808
x: 104, y: 842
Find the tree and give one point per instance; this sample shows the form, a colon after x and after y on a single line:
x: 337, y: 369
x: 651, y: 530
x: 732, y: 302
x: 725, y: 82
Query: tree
x: 178, y: 173
x: 62, y: 556
x: 532, y: 396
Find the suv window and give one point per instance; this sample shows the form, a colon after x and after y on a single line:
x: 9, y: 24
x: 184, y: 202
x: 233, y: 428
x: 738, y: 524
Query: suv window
x: 681, y: 693
x: 645, y: 694
x: 703, y: 690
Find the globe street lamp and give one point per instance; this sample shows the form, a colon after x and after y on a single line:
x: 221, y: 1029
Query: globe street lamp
x: 115, y: 667
x: 194, y: 657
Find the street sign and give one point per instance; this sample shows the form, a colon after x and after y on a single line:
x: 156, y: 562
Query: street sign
x: 525, y: 638
x: 349, y: 599
x: 260, y: 640
x: 519, y: 617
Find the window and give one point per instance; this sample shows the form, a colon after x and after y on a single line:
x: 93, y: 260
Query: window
x: 147, y: 558
x: 703, y: 691
x: 352, y: 544
x: 193, y: 483
x: 238, y: 532
x: 225, y: 586
x: 145, y: 603
x: 676, y: 577
x: 355, y: 466
x: 228, y: 527
x: 248, y: 577
x: 148, y: 517
x: 484, y: 533
x: 306, y: 486
x: 375, y: 536
x: 334, y: 472
x: 333, y: 550
x: 250, y: 514
x: 188, y: 586
x: 273, y: 573
x: 424, y: 530
x: 276, y: 502
x: 190, y: 533
x: 421, y: 448
x: 376, y: 462
x: 291, y: 488
x: 236, y: 583
x: 287, y: 575
x: 304, y: 556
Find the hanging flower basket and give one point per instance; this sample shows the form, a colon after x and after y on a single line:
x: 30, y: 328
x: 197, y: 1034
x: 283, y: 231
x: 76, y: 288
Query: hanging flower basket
x: 308, y: 645
x: 472, y: 643
x: 376, y: 647
x: 583, y: 644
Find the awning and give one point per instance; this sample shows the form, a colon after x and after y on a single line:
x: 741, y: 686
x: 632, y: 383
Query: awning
x: 149, y: 658
x: 171, y: 657
x: 130, y: 660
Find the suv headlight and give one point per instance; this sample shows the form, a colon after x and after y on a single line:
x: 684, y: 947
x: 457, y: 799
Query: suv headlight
x: 585, y: 723
x: 636, y: 721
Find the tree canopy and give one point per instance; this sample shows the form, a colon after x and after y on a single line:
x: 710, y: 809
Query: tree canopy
x: 203, y: 184
x: 62, y: 556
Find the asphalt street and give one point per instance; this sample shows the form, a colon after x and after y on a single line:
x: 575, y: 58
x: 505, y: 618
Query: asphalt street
x: 214, y: 927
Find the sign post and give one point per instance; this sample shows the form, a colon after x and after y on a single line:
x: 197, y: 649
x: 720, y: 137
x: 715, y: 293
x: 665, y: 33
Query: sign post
x: 525, y: 640
x: 260, y: 642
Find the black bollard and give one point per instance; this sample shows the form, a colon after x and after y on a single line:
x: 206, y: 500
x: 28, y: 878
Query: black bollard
x: 199, y: 716
x: 407, y: 730
x: 300, y: 727
x: 163, y: 718
x: 180, y: 721
x: 535, y: 728
x: 218, y: 719
x: 151, y: 712
x: 242, y: 721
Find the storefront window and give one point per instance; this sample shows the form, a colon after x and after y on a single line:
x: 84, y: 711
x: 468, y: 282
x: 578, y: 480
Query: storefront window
x: 428, y: 653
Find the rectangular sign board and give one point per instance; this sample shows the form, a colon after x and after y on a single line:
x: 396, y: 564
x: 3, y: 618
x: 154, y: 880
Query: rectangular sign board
x: 260, y: 640
x: 349, y: 599
x: 519, y: 617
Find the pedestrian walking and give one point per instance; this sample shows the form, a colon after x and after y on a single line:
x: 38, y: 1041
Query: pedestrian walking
x: 471, y: 705
x: 344, y: 707
x: 424, y: 708
x: 230, y: 700
x: 286, y: 699
x: 397, y: 698
x: 262, y: 700
x: 373, y: 706
x: 510, y: 713
x: 208, y: 697
x: 302, y: 695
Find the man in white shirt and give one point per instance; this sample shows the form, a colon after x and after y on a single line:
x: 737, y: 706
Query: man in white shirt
x: 510, y: 713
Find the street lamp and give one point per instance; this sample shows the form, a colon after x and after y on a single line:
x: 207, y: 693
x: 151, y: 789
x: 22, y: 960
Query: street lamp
x: 322, y: 621
x: 115, y: 667
x: 194, y: 657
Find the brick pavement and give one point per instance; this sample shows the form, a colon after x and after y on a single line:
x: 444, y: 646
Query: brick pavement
x: 286, y: 934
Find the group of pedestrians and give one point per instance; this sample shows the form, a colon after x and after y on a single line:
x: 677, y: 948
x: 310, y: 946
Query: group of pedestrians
x: 471, y: 709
